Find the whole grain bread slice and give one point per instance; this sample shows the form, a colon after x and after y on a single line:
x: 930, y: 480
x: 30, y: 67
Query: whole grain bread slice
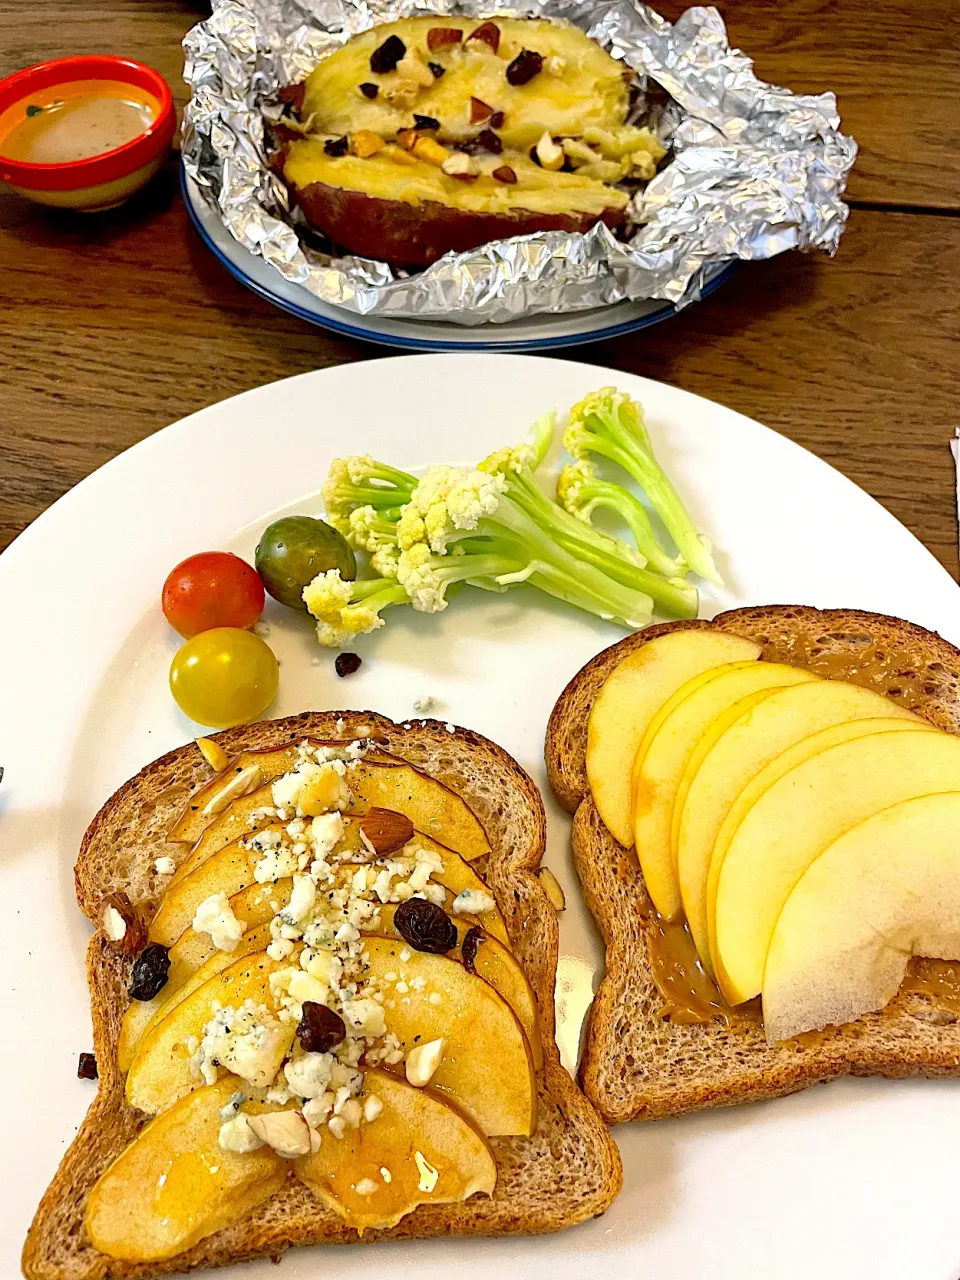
x: 566, y: 1172
x: 636, y: 1065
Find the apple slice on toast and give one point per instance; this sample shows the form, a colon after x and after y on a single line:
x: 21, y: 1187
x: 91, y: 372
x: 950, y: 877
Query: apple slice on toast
x: 418, y: 1150
x: 175, y: 1184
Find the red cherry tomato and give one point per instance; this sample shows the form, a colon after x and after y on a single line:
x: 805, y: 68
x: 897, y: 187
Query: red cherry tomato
x: 212, y: 589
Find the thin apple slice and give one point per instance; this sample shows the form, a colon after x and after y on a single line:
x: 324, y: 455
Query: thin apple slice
x: 160, y: 1072
x: 805, y: 749
x: 418, y: 1150
x: 244, y: 817
x: 433, y: 808
x: 228, y: 871
x: 486, y: 1067
x: 174, y: 1184
x: 630, y: 697
x: 794, y: 821
x: 886, y: 890
x: 231, y: 870
x: 733, y: 750
x: 662, y: 756
x: 491, y: 961
x: 141, y: 1013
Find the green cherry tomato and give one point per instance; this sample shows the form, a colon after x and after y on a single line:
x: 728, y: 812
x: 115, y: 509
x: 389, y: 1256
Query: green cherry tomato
x: 294, y: 550
x: 224, y: 677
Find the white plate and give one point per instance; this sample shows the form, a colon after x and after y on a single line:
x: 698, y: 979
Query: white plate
x: 537, y: 333
x: 854, y: 1182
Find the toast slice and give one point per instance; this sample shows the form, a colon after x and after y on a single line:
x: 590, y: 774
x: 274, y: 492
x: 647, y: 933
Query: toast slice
x: 636, y: 1066
x: 566, y: 1172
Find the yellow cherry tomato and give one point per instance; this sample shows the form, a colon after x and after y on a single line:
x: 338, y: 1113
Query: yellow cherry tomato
x: 224, y: 677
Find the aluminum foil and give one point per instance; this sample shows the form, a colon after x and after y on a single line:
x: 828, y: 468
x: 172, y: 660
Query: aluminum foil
x: 753, y: 169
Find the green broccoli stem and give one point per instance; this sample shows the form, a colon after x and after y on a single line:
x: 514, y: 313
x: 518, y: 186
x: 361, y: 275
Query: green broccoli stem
x: 677, y: 600
x: 596, y: 493
x: 629, y: 447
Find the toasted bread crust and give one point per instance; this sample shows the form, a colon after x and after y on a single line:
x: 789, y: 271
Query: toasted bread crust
x: 636, y: 1066
x: 567, y: 1172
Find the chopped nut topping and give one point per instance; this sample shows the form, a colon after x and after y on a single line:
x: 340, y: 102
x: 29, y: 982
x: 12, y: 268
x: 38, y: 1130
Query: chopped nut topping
x: 286, y: 1131
x: 549, y: 154
x: 459, y: 165
x: 431, y: 151
x: 212, y: 752
x: 505, y: 174
x: 551, y: 886
x: 479, y: 110
x: 365, y: 143
x: 524, y: 67
x: 406, y: 138
x: 386, y: 57
x: 412, y: 68
x: 245, y: 780
x: 423, y: 1061
x: 438, y: 37
x: 487, y: 33
x: 121, y: 924
x: 386, y: 830
x: 402, y: 94
x: 398, y: 155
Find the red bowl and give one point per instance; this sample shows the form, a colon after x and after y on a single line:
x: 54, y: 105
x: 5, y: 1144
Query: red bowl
x: 98, y: 181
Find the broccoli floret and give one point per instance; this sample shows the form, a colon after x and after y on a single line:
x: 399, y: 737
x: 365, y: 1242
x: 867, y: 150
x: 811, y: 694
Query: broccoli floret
x: 345, y: 610
x: 609, y: 423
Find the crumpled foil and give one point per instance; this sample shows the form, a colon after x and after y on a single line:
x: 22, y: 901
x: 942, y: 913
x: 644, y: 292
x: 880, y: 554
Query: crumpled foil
x: 753, y: 169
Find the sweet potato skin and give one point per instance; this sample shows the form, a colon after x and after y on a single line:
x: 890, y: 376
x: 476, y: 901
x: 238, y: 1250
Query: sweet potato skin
x: 408, y: 235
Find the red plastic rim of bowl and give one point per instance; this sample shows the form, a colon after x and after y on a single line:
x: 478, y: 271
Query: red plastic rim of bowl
x: 109, y: 165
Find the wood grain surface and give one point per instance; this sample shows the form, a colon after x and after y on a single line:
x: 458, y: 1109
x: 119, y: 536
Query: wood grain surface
x: 113, y: 326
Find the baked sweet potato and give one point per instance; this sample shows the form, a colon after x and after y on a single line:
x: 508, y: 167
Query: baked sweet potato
x: 579, y: 84
x: 434, y: 134
x: 413, y: 215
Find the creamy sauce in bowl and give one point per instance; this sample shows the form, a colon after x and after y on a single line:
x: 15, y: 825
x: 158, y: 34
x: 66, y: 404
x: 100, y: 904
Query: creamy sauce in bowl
x: 76, y: 121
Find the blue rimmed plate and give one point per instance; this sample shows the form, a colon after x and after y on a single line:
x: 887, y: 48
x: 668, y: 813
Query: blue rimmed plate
x: 538, y: 333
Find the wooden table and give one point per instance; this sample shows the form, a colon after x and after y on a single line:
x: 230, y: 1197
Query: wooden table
x: 113, y: 326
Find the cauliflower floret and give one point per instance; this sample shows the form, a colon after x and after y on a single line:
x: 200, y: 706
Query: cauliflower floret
x: 326, y: 595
